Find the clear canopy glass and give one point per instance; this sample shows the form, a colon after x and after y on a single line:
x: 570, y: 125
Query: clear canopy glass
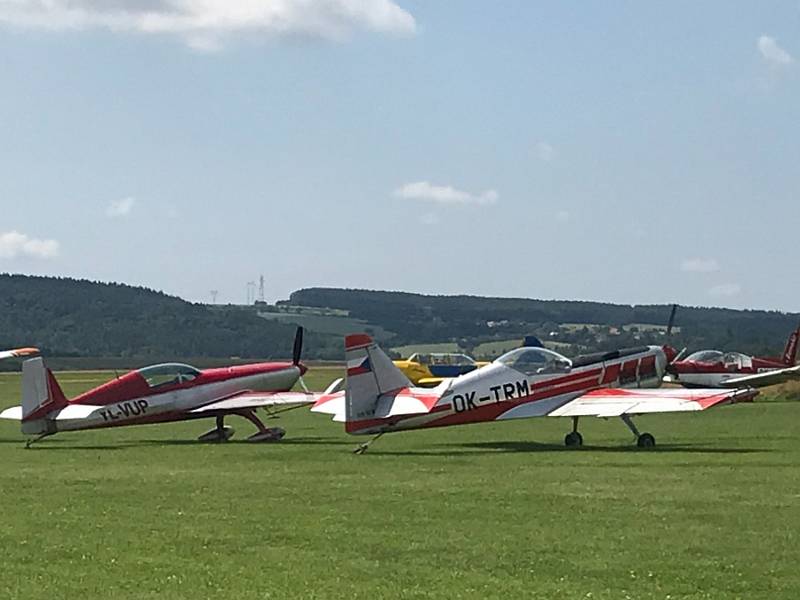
x: 168, y: 373
x: 535, y: 361
x: 706, y: 356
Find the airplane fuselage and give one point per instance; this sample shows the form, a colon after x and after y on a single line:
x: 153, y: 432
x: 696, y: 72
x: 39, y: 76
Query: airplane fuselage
x: 123, y: 401
x: 714, y: 375
x: 499, y: 392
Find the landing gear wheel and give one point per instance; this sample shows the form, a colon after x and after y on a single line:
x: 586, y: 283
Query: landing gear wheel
x: 573, y: 439
x: 272, y: 434
x: 645, y: 440
x: 217, y: 435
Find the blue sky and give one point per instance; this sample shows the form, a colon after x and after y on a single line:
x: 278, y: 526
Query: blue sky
x: 621, y: 151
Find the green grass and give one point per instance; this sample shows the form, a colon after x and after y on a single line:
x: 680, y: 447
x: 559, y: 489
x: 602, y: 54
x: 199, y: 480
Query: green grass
x: 484, y: 511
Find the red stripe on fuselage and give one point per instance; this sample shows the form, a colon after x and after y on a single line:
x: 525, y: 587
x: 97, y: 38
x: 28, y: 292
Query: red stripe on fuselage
x: 490, y: 412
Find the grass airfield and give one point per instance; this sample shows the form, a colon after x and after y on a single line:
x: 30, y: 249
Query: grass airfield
x: 482, y: 511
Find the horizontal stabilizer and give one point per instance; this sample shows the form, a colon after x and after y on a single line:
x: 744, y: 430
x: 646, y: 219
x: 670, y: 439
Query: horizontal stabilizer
x: 13, y: 414
x: 71, y: 411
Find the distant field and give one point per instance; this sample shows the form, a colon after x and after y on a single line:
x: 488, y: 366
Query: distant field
x: 483, y: 511
x: 406, y: 351
x: 487, y: 350
x: 491, y: 350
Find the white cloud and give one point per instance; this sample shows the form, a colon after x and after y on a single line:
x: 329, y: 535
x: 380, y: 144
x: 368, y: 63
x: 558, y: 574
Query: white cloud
x: 725, y: 289
x: 699, y: 265
x: 120, y: 208
x: 562, y: 216
x: 207, y: 24
x: 444, y: 194
x: 14, y: 244
x: 429, y: 219
x: 772, y: 53
x: 545, y: 151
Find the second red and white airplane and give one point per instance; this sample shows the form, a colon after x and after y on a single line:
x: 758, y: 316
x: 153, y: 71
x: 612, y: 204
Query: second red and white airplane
x: 526, y: 382
x: 159, y: 394
x: 715, y: 369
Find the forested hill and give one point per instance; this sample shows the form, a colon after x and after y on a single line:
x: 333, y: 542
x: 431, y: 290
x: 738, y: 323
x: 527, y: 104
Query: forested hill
x: 68, y: 317
x: 417, y: 318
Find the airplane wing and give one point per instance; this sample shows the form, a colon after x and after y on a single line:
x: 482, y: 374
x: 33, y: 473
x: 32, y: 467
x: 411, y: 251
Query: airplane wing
x: 258, y: 399
x: 18, y: 353
x: 614, y: 402
x: 764, y: 379
x: 247, y: 400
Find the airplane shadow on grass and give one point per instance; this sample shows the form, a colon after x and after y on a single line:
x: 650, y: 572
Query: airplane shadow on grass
x: 66, y: 444
x: 487, y: 448
x: 448, y: 449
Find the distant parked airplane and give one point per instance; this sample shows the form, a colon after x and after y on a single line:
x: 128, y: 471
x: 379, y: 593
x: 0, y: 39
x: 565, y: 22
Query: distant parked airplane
x: 712, y: 368
x: 428, y: 369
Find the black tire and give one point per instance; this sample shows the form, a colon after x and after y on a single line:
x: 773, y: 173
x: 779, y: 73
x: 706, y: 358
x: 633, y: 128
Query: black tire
x: 573, y: 439
x: 646, y: 440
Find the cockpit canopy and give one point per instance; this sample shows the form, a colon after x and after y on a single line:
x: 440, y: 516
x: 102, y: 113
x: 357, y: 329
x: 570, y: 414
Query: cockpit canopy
x: 729, y: 359
x: 535, y: 361
x: 168, y: 374
x: 706, y: 356
x: 737, y: 360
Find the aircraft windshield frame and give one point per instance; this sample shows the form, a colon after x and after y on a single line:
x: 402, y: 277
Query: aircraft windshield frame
x: 168, y: 373
x: 705, y: 356
x: 525, y: 360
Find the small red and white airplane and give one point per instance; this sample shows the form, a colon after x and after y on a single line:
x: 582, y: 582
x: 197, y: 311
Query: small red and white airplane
x: 525, y: 382
x: 715, y: 369
x: 160, y: 394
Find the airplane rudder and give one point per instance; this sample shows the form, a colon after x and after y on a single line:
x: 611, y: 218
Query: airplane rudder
x: 790, y: 352
x: 39, y: 389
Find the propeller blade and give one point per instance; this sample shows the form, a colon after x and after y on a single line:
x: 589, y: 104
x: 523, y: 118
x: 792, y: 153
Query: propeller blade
x: 297, y: 350
x: 671, y: 321
x: 679, y: 355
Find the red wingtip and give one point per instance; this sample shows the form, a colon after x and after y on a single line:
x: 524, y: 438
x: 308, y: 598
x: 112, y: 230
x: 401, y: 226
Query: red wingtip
x: 356, y: 340
x: 26, y: 352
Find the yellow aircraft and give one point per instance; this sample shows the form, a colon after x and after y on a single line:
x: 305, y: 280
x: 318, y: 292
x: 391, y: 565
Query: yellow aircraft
x: 430, y: 369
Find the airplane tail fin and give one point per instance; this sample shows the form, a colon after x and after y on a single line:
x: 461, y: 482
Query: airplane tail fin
x: 41, y: 395
x: 790, y: 352
x: 370, y: 373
